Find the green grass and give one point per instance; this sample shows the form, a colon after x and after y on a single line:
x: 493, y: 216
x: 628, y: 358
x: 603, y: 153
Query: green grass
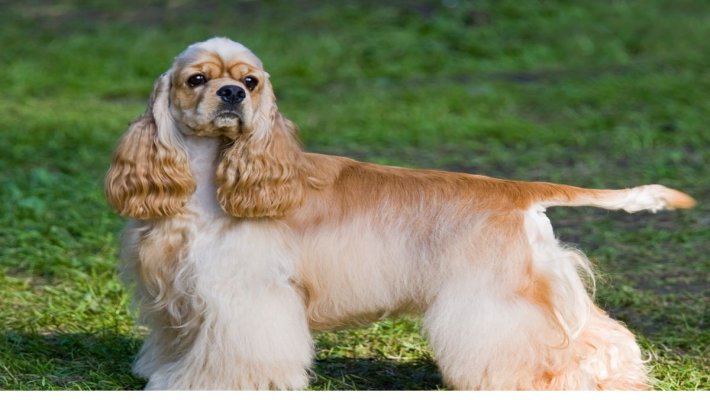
x: 602, y: 94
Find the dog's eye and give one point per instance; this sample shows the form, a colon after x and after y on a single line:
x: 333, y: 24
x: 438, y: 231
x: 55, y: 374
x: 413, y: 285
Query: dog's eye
x: 196, y: 80
x: 250, y: 82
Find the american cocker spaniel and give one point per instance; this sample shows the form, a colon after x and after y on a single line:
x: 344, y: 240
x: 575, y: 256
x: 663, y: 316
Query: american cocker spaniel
x: 241, y: 245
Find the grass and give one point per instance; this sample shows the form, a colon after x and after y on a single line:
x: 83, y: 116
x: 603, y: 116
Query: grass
x: 602, y: 94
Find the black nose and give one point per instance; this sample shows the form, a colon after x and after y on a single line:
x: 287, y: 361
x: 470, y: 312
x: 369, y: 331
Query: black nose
x: 231, y: 94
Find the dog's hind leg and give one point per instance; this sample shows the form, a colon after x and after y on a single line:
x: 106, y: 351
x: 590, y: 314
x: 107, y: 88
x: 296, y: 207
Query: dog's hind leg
x: 483, y: 341
x: 608, y: 352
x: 485, y: 331
x: 517, y: 315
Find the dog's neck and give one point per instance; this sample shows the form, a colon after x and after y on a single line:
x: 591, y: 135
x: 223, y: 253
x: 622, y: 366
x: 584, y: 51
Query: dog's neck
x: 202, y: 153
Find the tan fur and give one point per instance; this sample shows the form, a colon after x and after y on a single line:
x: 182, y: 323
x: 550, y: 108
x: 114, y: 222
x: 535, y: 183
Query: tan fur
x: 262, y: 176
x: 148, y: 178
x: 245, y: 242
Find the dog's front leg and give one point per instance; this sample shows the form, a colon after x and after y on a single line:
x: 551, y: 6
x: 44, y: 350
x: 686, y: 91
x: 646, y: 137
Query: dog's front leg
x: 253, y: 331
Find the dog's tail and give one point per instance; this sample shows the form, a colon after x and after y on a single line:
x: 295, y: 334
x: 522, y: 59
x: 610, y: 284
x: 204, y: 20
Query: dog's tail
x: 648, y: 197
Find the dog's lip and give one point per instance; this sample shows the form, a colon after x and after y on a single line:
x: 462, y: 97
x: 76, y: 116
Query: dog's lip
x: 228, y: 114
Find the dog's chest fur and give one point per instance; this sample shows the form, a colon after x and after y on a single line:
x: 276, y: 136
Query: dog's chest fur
x: 225, y: 251
x: 203, y: 204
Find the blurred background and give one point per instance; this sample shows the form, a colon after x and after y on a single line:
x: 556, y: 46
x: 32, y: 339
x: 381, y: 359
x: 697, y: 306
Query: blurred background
x: 600, y: 94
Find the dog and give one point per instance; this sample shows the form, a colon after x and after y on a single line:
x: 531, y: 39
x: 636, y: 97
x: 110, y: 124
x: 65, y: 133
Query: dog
x: 240, y: 245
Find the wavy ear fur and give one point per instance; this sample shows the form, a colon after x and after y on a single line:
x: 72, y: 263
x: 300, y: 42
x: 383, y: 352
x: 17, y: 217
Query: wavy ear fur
x: 150, y: 174
x: 261, y: 172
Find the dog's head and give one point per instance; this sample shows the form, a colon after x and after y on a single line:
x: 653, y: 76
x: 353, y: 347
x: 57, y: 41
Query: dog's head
x: 215, y: 88
x: 219, y: 88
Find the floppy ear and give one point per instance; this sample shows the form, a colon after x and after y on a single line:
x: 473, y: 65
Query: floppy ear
x: 150, y: 175
x: 260, y: 174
